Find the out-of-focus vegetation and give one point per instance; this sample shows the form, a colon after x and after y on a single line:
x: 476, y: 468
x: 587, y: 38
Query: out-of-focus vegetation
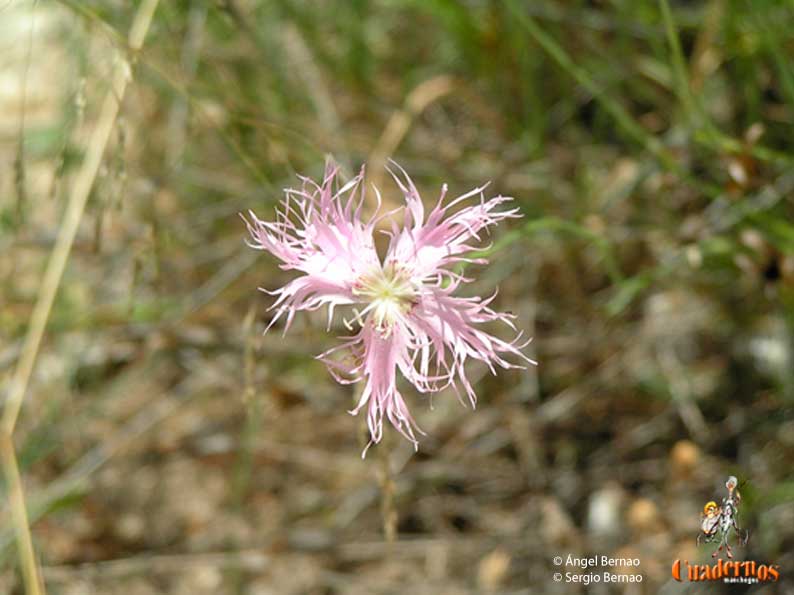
x: 166, y: 446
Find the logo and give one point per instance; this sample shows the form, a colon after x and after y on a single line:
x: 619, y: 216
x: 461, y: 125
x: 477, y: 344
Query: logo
x: 728, y: 572
x: 718, y: 524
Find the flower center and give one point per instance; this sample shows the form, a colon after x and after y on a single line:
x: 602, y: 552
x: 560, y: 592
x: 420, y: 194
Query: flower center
x: 390, y: 293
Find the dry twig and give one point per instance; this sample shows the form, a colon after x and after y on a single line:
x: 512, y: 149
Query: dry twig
x: 49, y: 288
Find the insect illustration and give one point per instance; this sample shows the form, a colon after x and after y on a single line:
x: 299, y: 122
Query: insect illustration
x: 716, y: 522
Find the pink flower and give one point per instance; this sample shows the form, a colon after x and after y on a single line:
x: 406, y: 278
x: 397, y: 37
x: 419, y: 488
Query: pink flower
x: 404, y: 314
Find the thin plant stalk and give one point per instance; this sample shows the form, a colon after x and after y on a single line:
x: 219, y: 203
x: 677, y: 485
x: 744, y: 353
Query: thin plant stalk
x: 19, y: 516
x: 387, y: 509
x: 384, y: 477
x: 49, y: 288
x: 680, y: 70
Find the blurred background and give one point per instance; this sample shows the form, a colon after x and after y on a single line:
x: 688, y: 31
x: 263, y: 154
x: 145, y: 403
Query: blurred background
x: 167, y: 446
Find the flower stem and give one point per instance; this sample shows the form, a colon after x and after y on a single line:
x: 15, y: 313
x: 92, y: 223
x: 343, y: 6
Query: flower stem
x: 387, y: 510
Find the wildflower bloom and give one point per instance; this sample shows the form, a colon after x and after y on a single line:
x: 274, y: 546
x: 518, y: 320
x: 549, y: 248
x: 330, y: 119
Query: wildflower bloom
x: 404, y: 314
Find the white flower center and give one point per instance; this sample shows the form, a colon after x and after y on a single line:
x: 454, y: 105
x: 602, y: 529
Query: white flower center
x: 390, y: 293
